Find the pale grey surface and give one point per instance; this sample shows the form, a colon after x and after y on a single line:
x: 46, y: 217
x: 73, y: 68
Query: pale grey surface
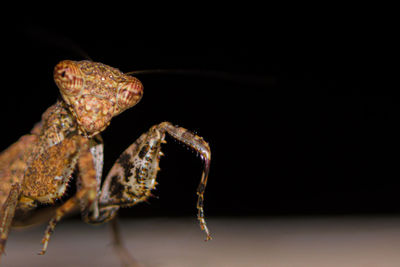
x: 237, y: 242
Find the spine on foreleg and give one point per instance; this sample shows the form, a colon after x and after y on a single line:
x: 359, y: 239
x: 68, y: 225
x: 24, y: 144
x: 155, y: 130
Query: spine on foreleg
x: 198, y: 144
x: 133, y: 175
x: 187, y: 137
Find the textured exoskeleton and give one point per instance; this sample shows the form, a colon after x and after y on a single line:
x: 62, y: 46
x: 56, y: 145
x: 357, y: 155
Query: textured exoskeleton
x: 38, y: 167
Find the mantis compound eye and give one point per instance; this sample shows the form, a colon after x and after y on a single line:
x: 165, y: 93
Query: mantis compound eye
x: 68, y: 77
x: 129, y: 94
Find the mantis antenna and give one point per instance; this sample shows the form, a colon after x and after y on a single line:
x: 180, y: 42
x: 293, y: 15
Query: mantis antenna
x: 259, y: 80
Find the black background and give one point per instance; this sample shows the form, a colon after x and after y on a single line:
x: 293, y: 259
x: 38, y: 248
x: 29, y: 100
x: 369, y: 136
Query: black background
x: 295, y: 122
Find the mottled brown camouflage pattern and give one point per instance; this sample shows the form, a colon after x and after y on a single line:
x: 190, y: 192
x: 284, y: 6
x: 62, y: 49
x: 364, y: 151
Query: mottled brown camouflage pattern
x: 38, y: 167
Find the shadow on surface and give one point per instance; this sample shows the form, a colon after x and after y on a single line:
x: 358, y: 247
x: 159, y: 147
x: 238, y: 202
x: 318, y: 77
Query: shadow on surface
x: 331, y: 241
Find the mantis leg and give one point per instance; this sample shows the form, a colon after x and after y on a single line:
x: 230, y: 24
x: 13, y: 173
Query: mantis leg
x: 7, y: 214
x: 133, y: 176
x: 86, y: 194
